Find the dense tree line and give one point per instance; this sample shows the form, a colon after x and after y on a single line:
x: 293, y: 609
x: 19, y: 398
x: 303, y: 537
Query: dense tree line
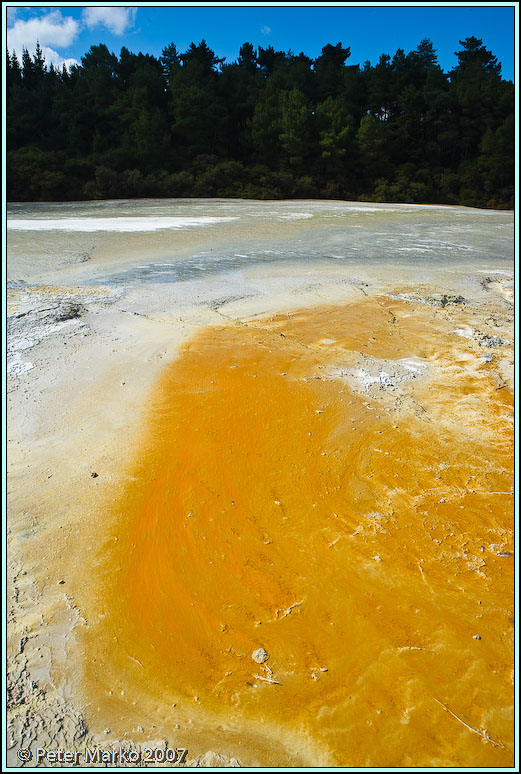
x: 272, y: 124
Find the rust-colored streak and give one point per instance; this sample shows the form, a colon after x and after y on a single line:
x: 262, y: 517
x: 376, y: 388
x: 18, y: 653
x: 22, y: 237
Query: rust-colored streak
x: 355, y: 535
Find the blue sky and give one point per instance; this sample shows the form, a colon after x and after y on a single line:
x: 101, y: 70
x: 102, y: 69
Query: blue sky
x: 66, y: 33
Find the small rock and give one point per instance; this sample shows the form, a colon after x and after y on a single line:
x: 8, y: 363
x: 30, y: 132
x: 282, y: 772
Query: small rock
x: 140, y: 729
x: 260, y: 655
x: 484, y: 340
x: 68, y: 311
x: 93, y: 475
x: 446, y: 300
x: 61, y: 582
x: 477, y: 637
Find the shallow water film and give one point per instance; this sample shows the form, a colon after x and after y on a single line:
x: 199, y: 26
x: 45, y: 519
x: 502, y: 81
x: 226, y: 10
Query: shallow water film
x: 176, y: 240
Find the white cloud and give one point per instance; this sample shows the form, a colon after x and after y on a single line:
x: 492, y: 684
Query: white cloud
x: 53, y: 29
x: 266, y: 30
x: 52, y: 57
x: 116, y: 19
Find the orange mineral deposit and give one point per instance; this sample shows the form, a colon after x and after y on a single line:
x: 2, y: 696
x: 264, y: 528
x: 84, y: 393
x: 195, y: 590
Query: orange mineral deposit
x: 334, y: 487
